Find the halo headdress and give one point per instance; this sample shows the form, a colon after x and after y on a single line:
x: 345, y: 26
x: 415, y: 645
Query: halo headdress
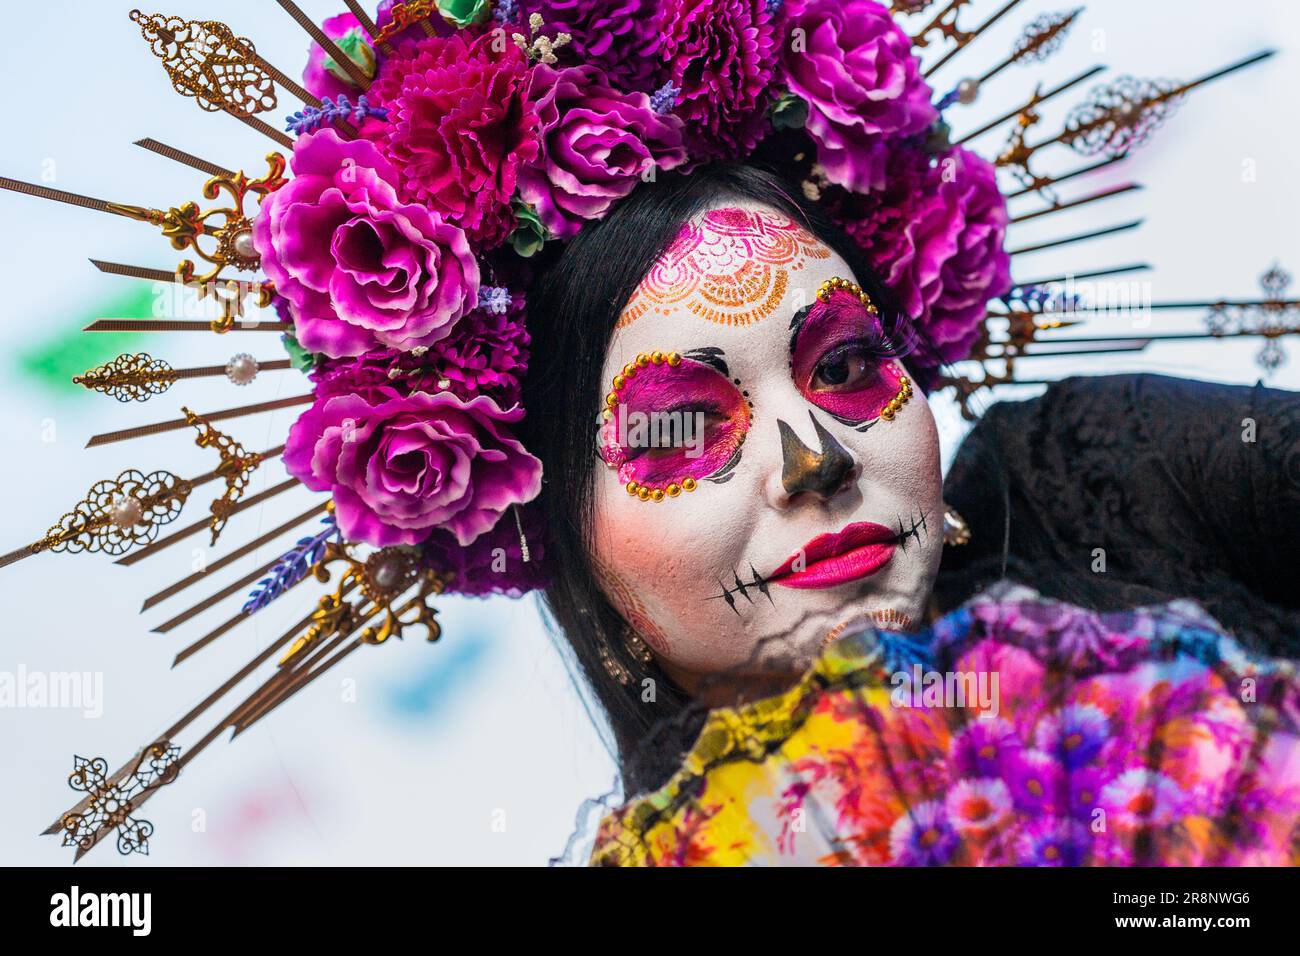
x: 436, y: 147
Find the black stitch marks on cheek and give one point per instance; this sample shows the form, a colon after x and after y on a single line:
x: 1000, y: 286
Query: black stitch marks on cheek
x: 728, y: 594
x: 913, y: 527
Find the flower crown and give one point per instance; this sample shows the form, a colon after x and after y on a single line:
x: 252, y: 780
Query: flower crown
x: 439, y: 147
x: 495, y: 128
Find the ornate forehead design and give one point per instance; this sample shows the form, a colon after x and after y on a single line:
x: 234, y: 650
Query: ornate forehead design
x: 739, y: 261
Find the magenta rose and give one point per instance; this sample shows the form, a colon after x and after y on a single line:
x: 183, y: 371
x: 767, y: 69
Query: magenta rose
x: 979, y: 268
x: 358, y: 267
x: 854, y: 67
x: 400, y: 465
x: 460, y: 126
x: 721, y: 55
x: 596, y: 144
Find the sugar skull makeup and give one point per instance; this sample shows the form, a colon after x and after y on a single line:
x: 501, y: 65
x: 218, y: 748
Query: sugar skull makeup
x: 671, y: 422
x: 843, y: 360
x: 815, y: 491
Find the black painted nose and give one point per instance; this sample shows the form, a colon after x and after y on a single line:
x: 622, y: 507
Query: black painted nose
x: 802, y: 469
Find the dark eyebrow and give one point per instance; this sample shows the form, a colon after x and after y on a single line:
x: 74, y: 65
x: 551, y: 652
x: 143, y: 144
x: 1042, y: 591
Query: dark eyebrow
x: 711, y: 356
x: 797, y: 324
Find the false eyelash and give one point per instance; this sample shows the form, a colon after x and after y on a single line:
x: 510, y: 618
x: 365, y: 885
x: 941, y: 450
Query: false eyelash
x: 899, y: 340
x: 728, y: 594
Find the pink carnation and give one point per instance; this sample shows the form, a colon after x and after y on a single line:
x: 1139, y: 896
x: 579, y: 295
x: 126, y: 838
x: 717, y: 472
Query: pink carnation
x: 721, y: 55
x: 460, y: 127
x: 400, y: 465
x: 620, y: 37
x: 855, y: 68
x: 358, y: 267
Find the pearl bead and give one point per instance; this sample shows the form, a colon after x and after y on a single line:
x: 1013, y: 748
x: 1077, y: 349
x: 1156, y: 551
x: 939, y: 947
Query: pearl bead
x: 967, y: 91
x: 126, y: 512
x: 241, y: 369
x: 386, y: 575
x: 243, y: 245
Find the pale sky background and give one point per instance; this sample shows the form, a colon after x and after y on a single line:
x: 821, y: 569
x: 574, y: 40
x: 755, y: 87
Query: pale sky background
x: 477, y: 750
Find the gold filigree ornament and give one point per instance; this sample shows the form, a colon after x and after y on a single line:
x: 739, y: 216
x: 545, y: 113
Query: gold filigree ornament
x: 130, y: 378
x: 382, y: 578
x: 232, y: 229
x: 237, y: 465
x: 205, y: 60
x: 118, y: 514
x: 404, y: 16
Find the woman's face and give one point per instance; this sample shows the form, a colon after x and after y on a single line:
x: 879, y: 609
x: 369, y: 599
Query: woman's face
x: 813, y: 473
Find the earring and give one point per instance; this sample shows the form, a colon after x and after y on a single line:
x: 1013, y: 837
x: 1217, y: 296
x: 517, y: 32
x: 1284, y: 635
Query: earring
x: 613, y: 668
x: 635, y: 645
x: 955, y: 529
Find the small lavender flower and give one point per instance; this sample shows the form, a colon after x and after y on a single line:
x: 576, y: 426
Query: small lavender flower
x: 665, y: 98
x: 505, y: 11
x: 292, y: 567
x: 774, y: 7
x: 311, y: 118
x: 494, y: 299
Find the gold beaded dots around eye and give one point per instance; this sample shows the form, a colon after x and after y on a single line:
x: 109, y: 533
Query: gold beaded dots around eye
x: 836, y: 283
x: 643, y: 360
x: 898, y: 401
x: 904, y: 384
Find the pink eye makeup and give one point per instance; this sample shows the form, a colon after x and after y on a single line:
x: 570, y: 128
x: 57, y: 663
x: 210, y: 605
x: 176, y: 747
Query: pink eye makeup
x: 672, y: 421
x: 843, y: 361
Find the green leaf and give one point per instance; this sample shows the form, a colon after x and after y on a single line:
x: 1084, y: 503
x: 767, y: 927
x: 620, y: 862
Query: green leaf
x: 464, y: 13
x: 529, y: 234
x: 789, y: 112
x: 354, y: 44
x: 302, y: 360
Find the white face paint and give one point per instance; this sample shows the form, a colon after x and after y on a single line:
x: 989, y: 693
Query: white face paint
x: 747, y: 558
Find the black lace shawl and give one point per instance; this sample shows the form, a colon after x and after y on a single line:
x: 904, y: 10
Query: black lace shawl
x: 1157, y: 472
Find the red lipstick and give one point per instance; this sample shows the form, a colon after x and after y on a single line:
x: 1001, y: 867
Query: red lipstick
x: 828, y: 560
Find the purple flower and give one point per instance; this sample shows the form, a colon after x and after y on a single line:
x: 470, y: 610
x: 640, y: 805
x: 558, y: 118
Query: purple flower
x: 985, y: 748
x: 358, y: 266
x: 854, y: 66
x: 721, y: 55
x: 1143, y: 798
x: 460, y: 126
x: 400, y: 465
x: 979, y: 268
x: 1051, y: 842
x: 1075, y: 734
x: 622, y: 38
x: 596, y: 145
x: 494, y: 563
x: 923, y: 836
x: 347, y: 32
x: 486, y: 352
x: 1035, y: 781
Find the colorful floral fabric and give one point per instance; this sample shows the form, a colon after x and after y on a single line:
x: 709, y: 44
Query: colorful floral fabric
x: 1146, y: 737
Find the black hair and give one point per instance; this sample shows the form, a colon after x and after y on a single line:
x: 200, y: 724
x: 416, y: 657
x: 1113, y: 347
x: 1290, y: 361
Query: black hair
x: 572, y: 308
